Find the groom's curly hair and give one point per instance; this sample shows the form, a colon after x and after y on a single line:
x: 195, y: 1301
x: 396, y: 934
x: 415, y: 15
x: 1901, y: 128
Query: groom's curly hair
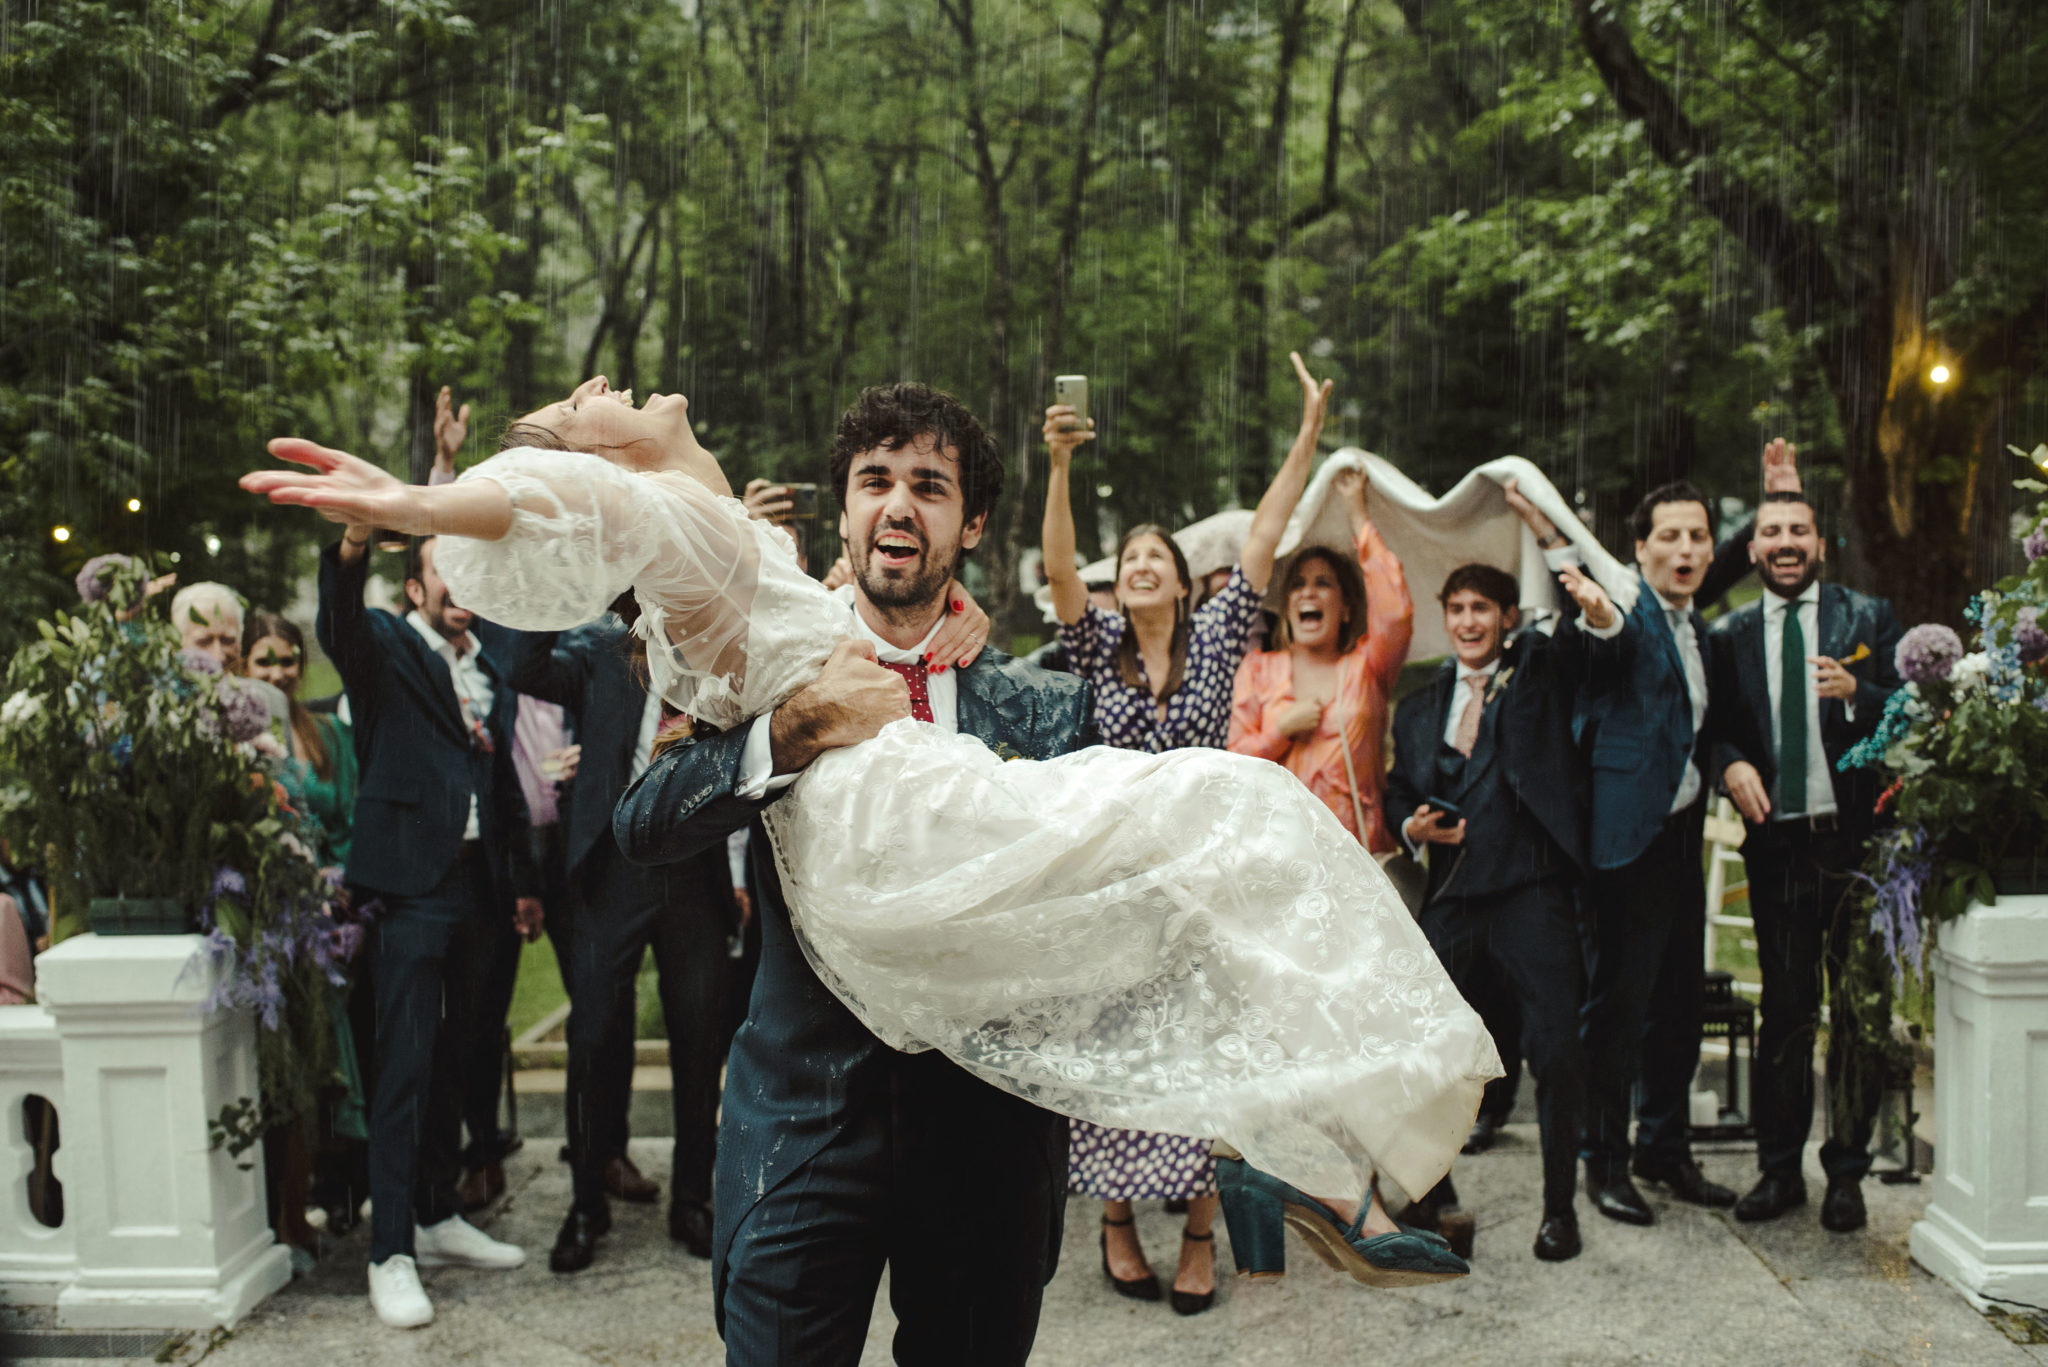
x: 893, y: 416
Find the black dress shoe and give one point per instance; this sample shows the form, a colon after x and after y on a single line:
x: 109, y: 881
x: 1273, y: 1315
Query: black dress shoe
x: 1773, y: 1195
x: 576, y: 1245
x: 623, y: 1180
x: 1145, y: 1288
x: 1685, y: 1179
x: 1481, y: 1137
x: 1458, y: 1226
x: 1841, y: 1210
x: 1617, y: 1198
x: 1557, y: 1238
x: 689, y: 1224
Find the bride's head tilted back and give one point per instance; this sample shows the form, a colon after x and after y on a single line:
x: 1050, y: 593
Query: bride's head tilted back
x: 603, y: 421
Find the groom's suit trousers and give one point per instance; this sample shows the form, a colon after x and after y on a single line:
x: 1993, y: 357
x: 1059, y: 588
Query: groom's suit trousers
x: 962, y: 1216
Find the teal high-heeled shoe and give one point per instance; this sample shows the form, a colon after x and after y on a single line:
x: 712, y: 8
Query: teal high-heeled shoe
x: 1258, y: 1208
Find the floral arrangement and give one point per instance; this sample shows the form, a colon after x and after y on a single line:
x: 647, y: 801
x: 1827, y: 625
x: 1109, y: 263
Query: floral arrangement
x: 138, y: 770
x: 1965, y: 743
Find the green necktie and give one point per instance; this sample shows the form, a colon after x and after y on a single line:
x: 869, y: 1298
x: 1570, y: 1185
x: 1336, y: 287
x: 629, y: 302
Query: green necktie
x: 1792, y: 716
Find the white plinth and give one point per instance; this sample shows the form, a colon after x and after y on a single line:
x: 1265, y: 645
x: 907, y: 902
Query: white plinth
x: 36, y: 1261
x: 168, y: 1232
x: 1985, y: 1229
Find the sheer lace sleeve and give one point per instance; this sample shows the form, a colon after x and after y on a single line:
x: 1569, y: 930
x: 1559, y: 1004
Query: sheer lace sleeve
x: 732, y: 625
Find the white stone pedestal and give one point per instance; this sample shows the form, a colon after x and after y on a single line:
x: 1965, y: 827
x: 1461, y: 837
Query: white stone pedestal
x: 36, y: 1261
x: 1985, y: 1229
x: 168, y: 1232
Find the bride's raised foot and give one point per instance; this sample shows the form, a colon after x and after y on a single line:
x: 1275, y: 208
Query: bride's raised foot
x: 1257, y: 1206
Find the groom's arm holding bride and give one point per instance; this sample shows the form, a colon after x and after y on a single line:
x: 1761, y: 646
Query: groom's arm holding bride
x: 689, y: 800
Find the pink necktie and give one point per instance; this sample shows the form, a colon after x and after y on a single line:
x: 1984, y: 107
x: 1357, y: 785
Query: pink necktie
x: 1468, y: 720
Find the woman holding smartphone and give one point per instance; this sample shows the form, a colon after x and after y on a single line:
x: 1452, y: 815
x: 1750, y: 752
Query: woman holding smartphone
x: 1317, y: 702
x: 1162, y: 676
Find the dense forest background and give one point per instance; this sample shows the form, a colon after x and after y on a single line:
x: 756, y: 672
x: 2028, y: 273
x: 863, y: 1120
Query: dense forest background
x: 1628, y: 241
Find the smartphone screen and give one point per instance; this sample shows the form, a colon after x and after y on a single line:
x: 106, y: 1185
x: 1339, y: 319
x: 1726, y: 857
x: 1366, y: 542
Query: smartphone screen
x: 1072, y: 390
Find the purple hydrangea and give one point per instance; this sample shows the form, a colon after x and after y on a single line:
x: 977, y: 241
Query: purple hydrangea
x: 243, y: 709
x: 2036, y: 544
x: 198, y: 661
x: 95, y: 580
x: 1928, y: 652
x: 2028, y: 635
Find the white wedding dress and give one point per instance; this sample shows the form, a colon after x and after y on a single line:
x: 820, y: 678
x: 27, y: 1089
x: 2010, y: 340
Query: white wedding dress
x: 1186, y: 942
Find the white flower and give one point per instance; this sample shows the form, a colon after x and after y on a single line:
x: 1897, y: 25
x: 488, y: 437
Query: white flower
x: 22, y: 707
x: 297, y: 847
x: 1969, y: 672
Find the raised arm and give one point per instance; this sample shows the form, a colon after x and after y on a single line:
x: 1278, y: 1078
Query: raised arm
x: 1269, y: 522
x: 1389, y: 607
x: 1056, y: 539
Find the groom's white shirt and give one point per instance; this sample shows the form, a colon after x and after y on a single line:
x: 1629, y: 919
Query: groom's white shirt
x: 757, y: 763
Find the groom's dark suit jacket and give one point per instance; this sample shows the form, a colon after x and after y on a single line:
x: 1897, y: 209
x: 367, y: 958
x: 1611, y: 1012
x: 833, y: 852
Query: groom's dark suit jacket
x: 802, y: 1068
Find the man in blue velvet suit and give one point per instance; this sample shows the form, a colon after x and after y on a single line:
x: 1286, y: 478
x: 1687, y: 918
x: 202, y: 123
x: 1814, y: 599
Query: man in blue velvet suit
x: 1802, y: 675
x: 1491, y: 737
x: 683, y: 911
x: 1642, y: 722
x: 836, y: 1154
x: 441, y: 839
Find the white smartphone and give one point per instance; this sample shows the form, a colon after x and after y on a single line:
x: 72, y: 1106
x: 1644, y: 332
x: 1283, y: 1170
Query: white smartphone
x: 1072, y: 390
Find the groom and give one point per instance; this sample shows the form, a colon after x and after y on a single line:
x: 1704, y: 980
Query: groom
x: 838, y: 1155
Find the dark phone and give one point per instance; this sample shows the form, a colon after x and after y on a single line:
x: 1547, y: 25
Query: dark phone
x: 1452, y: 812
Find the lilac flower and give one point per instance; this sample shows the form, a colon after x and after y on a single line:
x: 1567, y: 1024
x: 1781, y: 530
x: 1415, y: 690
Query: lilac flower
x: 267, y: 995
x: 2028, y: 635
x: 243, y: 709
x: 229, y: 882
x: 1928, y: 652
x: 198, y: 661
x: 2036, y: 544
x: 95, y: 580
x: 348, y: 939
x: 1905, y: 866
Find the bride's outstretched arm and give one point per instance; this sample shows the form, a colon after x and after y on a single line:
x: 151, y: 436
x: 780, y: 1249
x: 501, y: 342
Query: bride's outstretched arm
x: 346, y: 489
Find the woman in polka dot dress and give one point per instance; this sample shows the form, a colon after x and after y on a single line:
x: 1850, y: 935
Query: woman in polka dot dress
x: 1193, y: 654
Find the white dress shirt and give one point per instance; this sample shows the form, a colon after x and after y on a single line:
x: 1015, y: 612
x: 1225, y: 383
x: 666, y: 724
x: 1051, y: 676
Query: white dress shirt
x: 650, y: 726
x: 1680, y: 621
x: 472, y: 687
x: 1820, y: 786
x: 757, y: 764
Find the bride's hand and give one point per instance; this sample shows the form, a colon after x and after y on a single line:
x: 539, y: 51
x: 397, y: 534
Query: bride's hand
x: 963, y: 633
x: 340, y: 487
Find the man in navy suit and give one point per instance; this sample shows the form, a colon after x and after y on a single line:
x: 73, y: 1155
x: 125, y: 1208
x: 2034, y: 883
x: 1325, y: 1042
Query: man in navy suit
x: 441, y: 839
x: 1491, y: 737
x: 683, y: 911
x: 1642, y: 722
x: 838, y: 1155
x: 1802, y: 675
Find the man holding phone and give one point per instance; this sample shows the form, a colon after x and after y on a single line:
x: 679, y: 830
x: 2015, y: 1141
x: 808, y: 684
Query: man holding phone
x: 1484, y: 764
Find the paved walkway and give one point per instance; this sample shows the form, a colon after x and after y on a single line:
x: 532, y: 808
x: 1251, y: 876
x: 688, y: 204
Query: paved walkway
x: 1697, y: 1288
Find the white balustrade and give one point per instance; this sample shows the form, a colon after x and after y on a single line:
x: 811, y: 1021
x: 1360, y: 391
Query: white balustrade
x: 160, y: 1229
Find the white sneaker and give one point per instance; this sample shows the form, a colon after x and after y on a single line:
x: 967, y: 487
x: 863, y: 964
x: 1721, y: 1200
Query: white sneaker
x: 396, y: 1294
x: 455, y: 1242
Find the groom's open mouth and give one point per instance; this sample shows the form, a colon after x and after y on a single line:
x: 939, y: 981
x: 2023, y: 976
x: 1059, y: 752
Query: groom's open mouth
x: 897, y: 550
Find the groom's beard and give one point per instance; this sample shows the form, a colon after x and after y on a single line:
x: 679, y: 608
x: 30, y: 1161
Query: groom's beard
x: 902, y: 595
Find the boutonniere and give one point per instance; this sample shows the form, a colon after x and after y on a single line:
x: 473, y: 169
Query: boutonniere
x: 1862, y: 652
x: 1500, y: 683
x: 1005, y: 752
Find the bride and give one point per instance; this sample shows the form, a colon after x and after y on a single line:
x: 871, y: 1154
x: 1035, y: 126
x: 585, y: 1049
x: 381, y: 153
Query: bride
x: 1185, y: 942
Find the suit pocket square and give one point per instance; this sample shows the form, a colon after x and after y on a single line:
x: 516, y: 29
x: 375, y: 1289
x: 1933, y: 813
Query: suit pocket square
x: 1862, y: 652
